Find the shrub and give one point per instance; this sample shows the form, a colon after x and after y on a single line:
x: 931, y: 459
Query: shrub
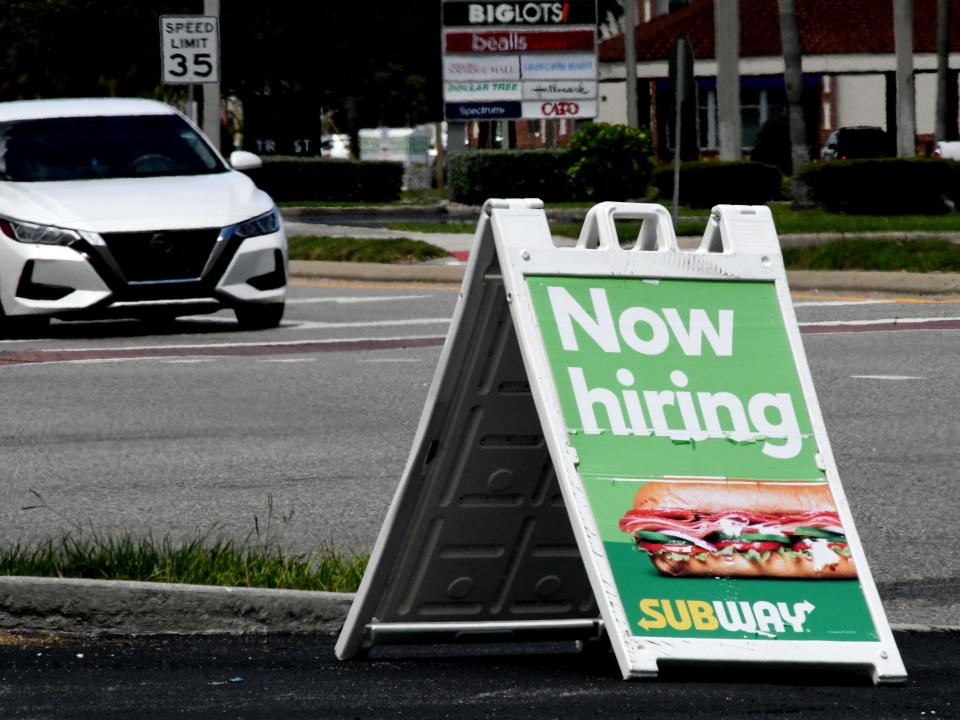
x: 884, y: 186
x: 708, y: 183
x: 308, y: 178
x: 610, y: 162
x: 772, y: 145
x: 476, y: 175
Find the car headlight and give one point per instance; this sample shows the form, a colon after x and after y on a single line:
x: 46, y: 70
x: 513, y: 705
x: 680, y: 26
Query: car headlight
x: 264, y: 224
x: 43, y: 234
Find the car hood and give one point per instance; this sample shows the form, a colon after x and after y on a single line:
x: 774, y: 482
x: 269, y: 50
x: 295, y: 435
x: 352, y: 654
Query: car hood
x: 136, y: 204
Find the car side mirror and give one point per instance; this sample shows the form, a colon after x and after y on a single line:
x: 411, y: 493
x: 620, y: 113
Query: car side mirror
x: 243, y: 160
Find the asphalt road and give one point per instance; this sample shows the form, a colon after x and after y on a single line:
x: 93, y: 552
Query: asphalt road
x: 298, y: 677
x: 198, y: 428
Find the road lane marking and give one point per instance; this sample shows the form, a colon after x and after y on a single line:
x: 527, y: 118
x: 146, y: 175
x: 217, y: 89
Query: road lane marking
x: 880, y: 325
x: 350, y: 300
x: 837, y: 303
x: 318, y: 325
x: 288, y: 360
x: 391, y: 360
x: 887, y: 377
x: 155, y: 352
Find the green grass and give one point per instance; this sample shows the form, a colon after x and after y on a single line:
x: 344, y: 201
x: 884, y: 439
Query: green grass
x: 346, y: 249
x: 200, y: 561
x: 932, y: 255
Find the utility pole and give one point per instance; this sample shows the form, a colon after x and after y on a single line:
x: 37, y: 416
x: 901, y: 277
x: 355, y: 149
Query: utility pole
x: 211, y: 91
x: 630, y: 60
x: 941, y: 131
x: 726, y: 18
x: 906, y: 104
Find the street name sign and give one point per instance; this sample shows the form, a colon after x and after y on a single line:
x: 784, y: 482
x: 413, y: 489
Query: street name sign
x: 626, y: 438
x: 190, y: 49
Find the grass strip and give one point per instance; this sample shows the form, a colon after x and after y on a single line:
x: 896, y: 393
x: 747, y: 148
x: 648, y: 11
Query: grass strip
x: 347, y: 249
x: 926, y: 255
x: 202, y: 560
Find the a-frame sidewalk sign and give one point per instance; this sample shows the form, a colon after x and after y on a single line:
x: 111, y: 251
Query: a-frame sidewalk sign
x: 625, y: 438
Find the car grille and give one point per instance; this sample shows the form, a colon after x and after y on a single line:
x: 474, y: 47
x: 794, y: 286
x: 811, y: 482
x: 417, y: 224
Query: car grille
x: 162, y: 256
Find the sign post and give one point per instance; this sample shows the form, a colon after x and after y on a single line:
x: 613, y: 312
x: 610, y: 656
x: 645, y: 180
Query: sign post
x: 626, y: 438
x: 190, y: 55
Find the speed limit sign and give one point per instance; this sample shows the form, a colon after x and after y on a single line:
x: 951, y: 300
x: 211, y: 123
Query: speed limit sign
x: 190, y: 47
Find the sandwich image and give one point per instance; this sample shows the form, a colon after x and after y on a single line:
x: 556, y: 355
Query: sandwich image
x: 740, y: 529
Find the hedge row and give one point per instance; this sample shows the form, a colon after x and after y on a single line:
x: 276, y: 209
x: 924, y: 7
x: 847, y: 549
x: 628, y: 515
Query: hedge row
x: 308, y: 178
x: 480, y: 174
x: 708, y: 183
x: 893, y: 186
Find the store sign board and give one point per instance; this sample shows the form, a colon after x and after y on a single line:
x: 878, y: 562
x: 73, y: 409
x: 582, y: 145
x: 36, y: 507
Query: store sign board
x: 571, y: 12
x: 479, y: 67
x: 558, y: 66
x: 486, y: 91
x: 576, y: 90
x: 483, y: 110
x: 559, y: 109
x: 505, y: 41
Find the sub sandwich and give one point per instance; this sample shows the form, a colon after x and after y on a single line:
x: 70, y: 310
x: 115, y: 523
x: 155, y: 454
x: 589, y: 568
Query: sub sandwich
x: 740, y: 529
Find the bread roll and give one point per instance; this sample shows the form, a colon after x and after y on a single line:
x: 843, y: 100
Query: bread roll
x: 715, y: 496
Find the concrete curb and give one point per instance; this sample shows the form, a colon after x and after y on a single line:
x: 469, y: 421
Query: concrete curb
x: 88, y: 608
x: 812, y: 280
x: 115, y: 607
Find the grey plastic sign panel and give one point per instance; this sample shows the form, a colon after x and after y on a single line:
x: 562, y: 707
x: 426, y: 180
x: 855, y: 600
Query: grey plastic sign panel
x: 541, y: 432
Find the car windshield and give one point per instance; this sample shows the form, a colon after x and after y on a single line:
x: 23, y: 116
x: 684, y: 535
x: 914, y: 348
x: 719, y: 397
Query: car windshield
x: 93, y: 148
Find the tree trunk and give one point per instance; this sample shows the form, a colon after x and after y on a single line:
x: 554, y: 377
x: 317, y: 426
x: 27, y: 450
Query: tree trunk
x: 793, y: 79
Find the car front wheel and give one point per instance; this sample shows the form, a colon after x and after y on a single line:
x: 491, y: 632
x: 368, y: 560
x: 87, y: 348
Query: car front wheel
x: 259, y: 316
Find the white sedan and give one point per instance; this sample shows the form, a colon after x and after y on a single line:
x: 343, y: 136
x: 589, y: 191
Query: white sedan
x: 121, y: 208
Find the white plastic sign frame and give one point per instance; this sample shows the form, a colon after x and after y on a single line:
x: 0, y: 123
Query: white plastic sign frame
x: 739, y: 245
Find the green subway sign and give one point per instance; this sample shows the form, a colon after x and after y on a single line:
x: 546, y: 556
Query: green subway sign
x: 698, y: 457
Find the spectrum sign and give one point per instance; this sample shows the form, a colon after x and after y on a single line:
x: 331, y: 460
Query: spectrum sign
x: 519, y: 60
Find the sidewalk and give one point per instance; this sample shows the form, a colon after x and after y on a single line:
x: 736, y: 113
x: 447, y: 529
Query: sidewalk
x: 309, y: 221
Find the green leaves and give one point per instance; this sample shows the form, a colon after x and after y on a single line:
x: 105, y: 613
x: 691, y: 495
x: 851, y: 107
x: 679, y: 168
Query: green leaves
x: 610, y: 162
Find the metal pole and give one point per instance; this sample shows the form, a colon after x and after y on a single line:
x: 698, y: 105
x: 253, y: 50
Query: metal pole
x: 630, y: 60
x: 678, y: 95
x: 727, y: 41
x: 211, y: 91
x: 906, y: 108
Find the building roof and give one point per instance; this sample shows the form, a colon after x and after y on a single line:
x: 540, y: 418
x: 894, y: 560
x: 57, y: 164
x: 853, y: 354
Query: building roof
x: 827, y: 27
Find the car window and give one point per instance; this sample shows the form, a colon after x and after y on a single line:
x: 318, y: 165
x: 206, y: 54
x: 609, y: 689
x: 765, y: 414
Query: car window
x: 89, y: 148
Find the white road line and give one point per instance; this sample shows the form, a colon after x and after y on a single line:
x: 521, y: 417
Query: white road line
x: 188, y: 361
x: 836, y: 303
x: 882, y: 321
x: 200, y: 346
x: 391, y: 360
x: 309, y: 325
x: 287, y: 360
x: 347, y: 300
x: 887, y: 377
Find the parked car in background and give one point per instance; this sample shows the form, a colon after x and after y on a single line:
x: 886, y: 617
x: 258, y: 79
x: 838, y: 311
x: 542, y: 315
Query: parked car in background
x: 947, y: 150
x: 857, y: 141
x: 121, y: 208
